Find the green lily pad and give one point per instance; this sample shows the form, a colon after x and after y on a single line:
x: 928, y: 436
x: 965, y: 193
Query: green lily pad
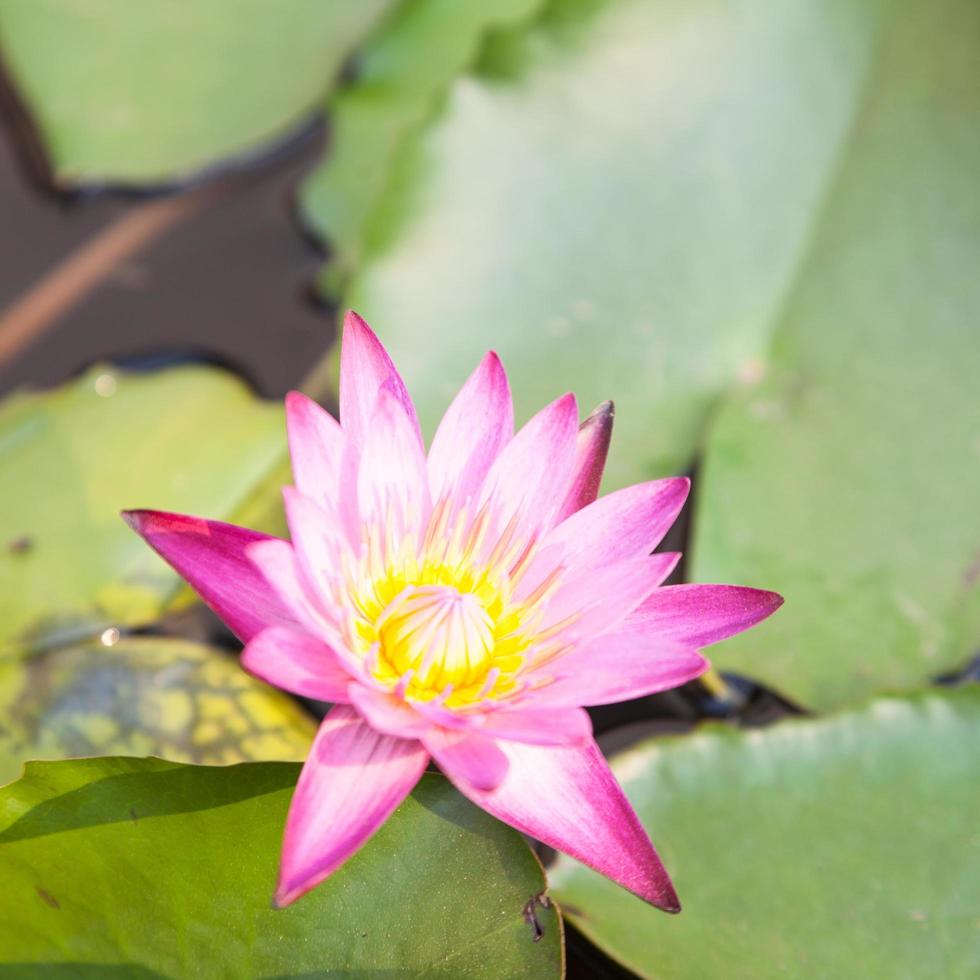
x: 849, y: 478
x: 153, y: 92
x: 617, y: 198
x: 837, y: 847
x: 192, y: 440
x: 185, y: 702
x: 400, y: 74
x: 167, y: 870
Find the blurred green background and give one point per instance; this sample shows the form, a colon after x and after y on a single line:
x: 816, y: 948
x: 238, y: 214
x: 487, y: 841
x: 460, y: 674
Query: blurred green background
x: 754, y: 224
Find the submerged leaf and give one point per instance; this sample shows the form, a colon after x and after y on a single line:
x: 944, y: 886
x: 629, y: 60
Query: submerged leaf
x: 182, y: 701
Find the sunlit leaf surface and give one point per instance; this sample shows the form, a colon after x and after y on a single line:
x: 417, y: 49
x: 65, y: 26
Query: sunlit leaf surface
x: 849, y: 478
x: 837, y: 847
x: 401, y: 74
x: 152, y: 92
x: 124, y: 867
x: 618, y: 199
x: 192, y: 440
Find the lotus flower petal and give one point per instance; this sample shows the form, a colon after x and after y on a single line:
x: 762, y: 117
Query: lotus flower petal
x: 699, y: 615
x: 474, y: 758
x: 568, y: 799
x: 351, y: 782
x: 212, y: 557
x: 529, y: 480
x: 478, y: 424
x: 627, y: 663
x: 364, y: 368
x: 591, y: 449
x: 464, y: 605
x: 316, y: 446
x: 296, y: 662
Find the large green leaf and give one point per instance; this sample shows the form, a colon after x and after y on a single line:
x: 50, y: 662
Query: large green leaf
x: 168, y: 870
x: 192, y: 440
x: 849, y: 479
x: 618, y: 199
x: 400, y: 73
x: 182, y: 701
x: 135, y: 92
x: 838, y: 847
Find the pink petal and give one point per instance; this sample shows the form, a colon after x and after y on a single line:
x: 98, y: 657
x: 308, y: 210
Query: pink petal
x: 697, y: 615
x: 625, y: 524
x: 351, y: 783
x: 591, y: 449
x: 473, y: 758
x: 628, y: 663
x: 211, y: 556
x: 318, y: 542
x: 478, y: 424
x: 539, y: 725
x: 392, y: 483
x: 595, y: 602
x: 386, y: 713
x: 364, y: 368
x: 296, y: 662
x: 568, y: 799
x: 275, y: 561
x: 529, y: 479
x: 316, y: 446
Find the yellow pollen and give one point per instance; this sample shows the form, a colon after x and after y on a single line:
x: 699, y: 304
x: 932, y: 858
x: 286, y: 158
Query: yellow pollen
x: 444, y: 636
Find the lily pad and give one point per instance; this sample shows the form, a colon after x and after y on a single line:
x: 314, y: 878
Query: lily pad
x: 167, y: 870
x: 617, y: 198
x: 849, y: 478
x: 836, y: 847
x: 154, y: 92
x: 192, y: 440
x: 183, y: 701
x: 400, y: 74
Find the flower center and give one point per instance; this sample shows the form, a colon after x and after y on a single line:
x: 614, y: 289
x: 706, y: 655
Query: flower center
x: 446, y: 637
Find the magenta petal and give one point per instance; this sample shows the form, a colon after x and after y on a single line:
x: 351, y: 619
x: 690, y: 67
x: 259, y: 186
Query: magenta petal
x: 316, y: 446
x: 696, y: 615
x: 351, y: 783
x: 296, y: 662
x: 626, y: 524
x: 364, y: 368
x: 472, y: 757
x: 591, y: 449
x: 540, y: 725
x: 529, y: 479
x: 568, y: 799
x: 628, y: 663
x: 478, y: 424
x: 212, y: 557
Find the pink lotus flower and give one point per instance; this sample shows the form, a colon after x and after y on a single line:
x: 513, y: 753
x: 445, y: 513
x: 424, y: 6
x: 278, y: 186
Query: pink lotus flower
x: 462, y: 606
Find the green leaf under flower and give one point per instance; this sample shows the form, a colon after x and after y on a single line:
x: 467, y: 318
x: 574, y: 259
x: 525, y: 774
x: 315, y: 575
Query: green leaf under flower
x: 148, y: 868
